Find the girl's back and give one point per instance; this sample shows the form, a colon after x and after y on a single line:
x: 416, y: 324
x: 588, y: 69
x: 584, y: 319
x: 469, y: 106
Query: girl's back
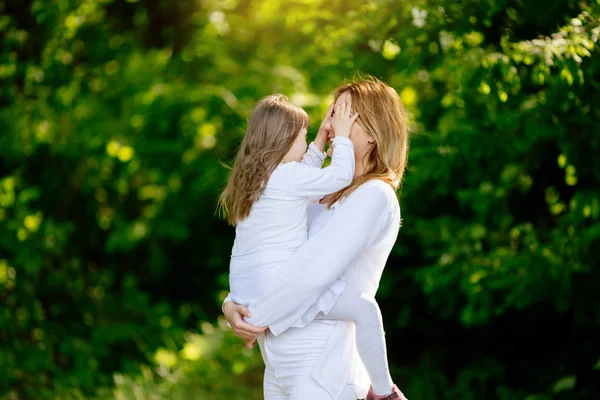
x: 277, y: 221
x: 267, y: 238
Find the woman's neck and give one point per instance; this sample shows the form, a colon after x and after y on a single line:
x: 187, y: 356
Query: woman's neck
x: 359, y: 168
x: 358, y: 172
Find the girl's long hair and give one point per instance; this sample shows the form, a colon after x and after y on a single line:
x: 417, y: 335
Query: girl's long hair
x: 382, y: 116
x: 273, y: 126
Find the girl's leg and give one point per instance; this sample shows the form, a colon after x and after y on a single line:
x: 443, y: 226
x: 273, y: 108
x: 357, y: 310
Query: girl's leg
x: 353, y: 306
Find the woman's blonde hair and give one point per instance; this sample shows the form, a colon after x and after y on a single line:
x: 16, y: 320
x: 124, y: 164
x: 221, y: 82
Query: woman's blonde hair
x: 382, y: 116
x: 273, y: 126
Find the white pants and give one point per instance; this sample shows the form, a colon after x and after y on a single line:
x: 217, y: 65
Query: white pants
x: 289, y: 361
x: 301, y: 387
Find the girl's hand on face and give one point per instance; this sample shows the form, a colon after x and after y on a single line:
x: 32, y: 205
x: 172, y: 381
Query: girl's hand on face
x: 343, y: 119
x: 234, y: 314
x: 324, y: 129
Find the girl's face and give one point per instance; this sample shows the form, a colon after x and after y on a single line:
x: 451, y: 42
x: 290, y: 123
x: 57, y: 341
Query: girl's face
x: 298, y: 148
x: 360, y: 138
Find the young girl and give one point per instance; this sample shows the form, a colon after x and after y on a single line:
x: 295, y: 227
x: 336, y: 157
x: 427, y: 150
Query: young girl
x: 266, y: 197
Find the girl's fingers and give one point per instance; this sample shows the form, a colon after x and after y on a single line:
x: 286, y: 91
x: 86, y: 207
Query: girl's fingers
x: 329, y: 111
x: 345, y: 109
x: 339, y: 111
x: 348, y: 109
x: 337, y: 107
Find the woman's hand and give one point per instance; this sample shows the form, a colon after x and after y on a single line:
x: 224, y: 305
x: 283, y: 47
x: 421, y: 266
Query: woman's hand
x: 234, y: 314
x: 324, y: 129
x: 343, y: 119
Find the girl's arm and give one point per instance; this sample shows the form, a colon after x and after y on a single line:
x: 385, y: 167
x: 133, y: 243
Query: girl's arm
x: 316, y: 150
x: 306, y: 181
x: 313, y: 156
x: 303, y: 180
x: 355, y: 225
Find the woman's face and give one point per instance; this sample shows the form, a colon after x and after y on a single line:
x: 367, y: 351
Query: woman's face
x: 360, y: 138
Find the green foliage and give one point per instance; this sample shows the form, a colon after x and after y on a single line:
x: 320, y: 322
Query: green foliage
x: 115, y: 115
x: 210, y: 365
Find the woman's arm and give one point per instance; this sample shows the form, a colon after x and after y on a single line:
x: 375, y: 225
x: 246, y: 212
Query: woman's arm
x: 355, y: 225
x: 234, y: 314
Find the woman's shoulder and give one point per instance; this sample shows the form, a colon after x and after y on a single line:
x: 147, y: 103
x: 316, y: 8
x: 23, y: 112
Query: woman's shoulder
x: 379, y: 184
x: 374, y: 193
x: 377, y: 187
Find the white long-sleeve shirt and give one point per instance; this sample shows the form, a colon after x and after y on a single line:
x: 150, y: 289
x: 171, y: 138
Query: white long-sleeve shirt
x: 277, y: 225
x: 352, y: 240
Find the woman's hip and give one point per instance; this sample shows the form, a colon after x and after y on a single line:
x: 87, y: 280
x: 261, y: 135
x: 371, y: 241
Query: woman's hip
x: 296, y: 351
x: 320, y: 352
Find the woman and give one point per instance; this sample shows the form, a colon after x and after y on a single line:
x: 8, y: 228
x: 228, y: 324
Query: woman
x: 351, y: 235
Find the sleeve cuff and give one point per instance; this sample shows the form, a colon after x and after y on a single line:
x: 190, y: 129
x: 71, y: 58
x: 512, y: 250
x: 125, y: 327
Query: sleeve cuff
x: 227, y: 299
x: 321, y: 154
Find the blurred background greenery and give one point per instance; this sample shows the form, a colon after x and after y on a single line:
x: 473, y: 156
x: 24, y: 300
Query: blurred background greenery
x: 115, y: 116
